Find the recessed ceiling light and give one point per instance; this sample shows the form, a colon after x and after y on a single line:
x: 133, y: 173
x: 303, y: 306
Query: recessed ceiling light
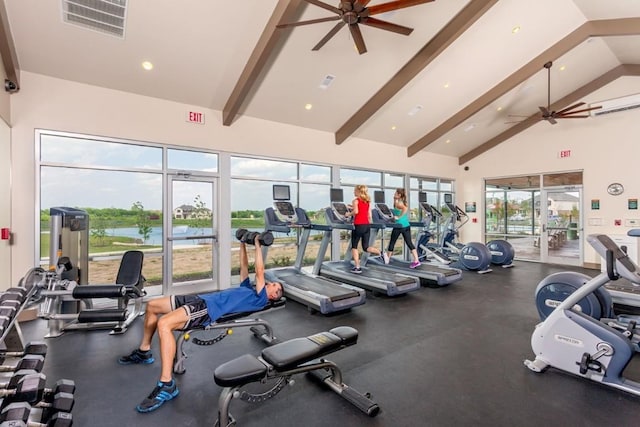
x: 308, y: 106
x: 562, y: 67
x: 446, y: 85
x: 147, y: 65
x: 499, y: 109
x: 447, y: 141
x: 393, y: 127
x: 515, y: 29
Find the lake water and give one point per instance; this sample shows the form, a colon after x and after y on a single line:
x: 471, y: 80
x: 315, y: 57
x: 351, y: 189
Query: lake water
x: 155, y: 238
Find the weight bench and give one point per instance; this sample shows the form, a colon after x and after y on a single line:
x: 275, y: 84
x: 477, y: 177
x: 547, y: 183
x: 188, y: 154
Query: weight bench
x: 261, y: 329
x: 280, y: 362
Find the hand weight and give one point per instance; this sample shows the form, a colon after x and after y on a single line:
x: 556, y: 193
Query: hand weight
x: 265, y: 238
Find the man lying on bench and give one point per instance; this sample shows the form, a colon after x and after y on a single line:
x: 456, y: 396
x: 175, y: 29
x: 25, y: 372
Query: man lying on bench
x: 280, y: 362
x: 176, y: 312
x: 261, y: 329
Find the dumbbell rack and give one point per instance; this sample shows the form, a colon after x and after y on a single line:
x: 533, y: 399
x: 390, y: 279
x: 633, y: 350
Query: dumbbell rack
x: 24, y: 398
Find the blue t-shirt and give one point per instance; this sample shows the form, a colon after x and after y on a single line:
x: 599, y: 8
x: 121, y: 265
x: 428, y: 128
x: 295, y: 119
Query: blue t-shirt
x: 234, y: 300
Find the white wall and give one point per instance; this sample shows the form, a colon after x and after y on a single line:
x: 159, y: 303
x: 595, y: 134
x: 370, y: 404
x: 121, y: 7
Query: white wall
x: 606, y: 148
x: 53, y: 104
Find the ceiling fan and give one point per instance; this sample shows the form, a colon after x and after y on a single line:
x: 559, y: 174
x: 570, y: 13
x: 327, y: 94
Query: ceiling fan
x: 354, y: 12
x: 566, y: 113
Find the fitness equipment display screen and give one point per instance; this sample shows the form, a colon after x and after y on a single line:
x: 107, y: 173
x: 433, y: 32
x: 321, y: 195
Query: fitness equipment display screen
x: 281, y: 192
x: 378, y: 196
x: 337, y: 195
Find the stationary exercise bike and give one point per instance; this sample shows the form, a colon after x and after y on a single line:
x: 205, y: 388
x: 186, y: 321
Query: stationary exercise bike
x: 577, y: 343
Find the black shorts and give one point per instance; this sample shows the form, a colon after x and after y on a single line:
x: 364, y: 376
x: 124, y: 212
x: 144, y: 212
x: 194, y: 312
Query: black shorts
x: 196, y: 310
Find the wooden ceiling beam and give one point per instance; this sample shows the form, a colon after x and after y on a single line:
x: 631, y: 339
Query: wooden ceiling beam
x: 8, y: 52
x: 284, y: 11
x: 598, y: 28
x: 603, y: 80
x: 443, y: 39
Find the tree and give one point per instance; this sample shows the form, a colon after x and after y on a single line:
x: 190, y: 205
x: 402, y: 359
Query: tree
x: 201, y: 218
x: 142, y: 221
x: 98, y: 230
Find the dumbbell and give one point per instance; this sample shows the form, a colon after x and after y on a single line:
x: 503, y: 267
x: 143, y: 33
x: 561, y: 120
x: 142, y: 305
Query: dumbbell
x: 58, y: 399
x: 32, y: 347
x: 31, y: 388
x: 7, y: 387
x: 245, y: 236
x: 17, y: 415
x: 33, y: 362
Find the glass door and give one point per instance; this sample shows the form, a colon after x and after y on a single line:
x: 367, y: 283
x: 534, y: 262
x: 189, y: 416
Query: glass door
x: 560, y: 225
x: 191, y: 239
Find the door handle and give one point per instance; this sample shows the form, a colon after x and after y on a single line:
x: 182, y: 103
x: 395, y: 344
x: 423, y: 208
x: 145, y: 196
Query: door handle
x: 544, y: 228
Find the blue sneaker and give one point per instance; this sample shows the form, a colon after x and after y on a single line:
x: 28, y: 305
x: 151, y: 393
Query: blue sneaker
x: 160, y: 394
x: 356, y: 270
x: 137, y: 357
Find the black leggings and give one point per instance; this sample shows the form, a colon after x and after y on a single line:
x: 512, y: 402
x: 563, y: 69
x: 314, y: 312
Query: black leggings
x: 406, y: 235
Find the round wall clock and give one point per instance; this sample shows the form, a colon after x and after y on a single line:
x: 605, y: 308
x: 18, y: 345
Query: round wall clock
x: 615, y: 189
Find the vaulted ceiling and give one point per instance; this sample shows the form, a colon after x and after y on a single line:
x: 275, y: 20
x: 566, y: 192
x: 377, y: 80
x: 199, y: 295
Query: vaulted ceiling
x: 450, y: 87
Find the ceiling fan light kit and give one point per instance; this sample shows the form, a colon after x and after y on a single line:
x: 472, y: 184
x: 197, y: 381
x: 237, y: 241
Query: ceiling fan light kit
x: 355, y: 12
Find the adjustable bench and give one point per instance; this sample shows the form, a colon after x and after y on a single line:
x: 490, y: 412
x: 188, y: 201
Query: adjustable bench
x: 261, y: 329
x: 280, y: 362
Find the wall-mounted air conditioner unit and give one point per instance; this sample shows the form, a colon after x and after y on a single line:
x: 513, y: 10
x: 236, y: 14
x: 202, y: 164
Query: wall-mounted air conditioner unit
x: 617, y: 104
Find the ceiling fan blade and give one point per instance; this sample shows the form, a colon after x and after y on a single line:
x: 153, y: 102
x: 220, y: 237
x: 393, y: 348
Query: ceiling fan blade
x: 311, y: 21
x: 582, y: 116
x: 395, y: 5
x: 325, y: 6
x: 551, y: 120
x: 384, y: 25
x: 576, y: 105
x: 584, y: 110
x: 330, y: 34
x: 545, y: 111
x: 357, y: 38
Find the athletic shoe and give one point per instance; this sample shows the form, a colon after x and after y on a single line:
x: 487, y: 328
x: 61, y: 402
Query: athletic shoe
x: 415, y: 264
x: 356, y: 270
x: 160, y: 394
x: 137, y: 357
x: 385, y: 257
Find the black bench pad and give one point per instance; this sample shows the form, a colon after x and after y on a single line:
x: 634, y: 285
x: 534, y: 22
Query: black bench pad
x: 99, y: 291
x: 241, y: 370
x: 284, y: 356
x: 294, y: 352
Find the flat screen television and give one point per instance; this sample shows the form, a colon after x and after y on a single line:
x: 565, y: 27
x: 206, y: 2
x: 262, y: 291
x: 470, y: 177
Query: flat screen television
x: 422, y: 197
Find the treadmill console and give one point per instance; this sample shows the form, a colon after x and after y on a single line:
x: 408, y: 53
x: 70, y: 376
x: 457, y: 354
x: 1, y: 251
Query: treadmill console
x: 385, y: 211
x: 285, y: 211
x: 341, y: 210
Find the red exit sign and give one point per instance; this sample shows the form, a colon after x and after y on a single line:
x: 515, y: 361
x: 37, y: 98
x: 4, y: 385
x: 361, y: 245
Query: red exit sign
x: 564, y: 153
x: 195, y: 117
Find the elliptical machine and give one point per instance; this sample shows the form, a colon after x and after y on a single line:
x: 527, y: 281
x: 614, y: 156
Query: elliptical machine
x: 577, y: 343
x: 471, y: 256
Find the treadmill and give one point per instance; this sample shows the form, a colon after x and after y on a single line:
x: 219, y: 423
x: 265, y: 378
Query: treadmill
x: 427, y: 274
x: 317, y: 293
x: 377, y: 280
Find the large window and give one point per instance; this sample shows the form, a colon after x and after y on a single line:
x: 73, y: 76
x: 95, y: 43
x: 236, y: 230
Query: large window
x: 121, y: 187
x: 141, y: 196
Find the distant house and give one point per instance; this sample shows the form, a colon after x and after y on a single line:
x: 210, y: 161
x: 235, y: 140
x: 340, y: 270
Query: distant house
x: 190, y: 212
